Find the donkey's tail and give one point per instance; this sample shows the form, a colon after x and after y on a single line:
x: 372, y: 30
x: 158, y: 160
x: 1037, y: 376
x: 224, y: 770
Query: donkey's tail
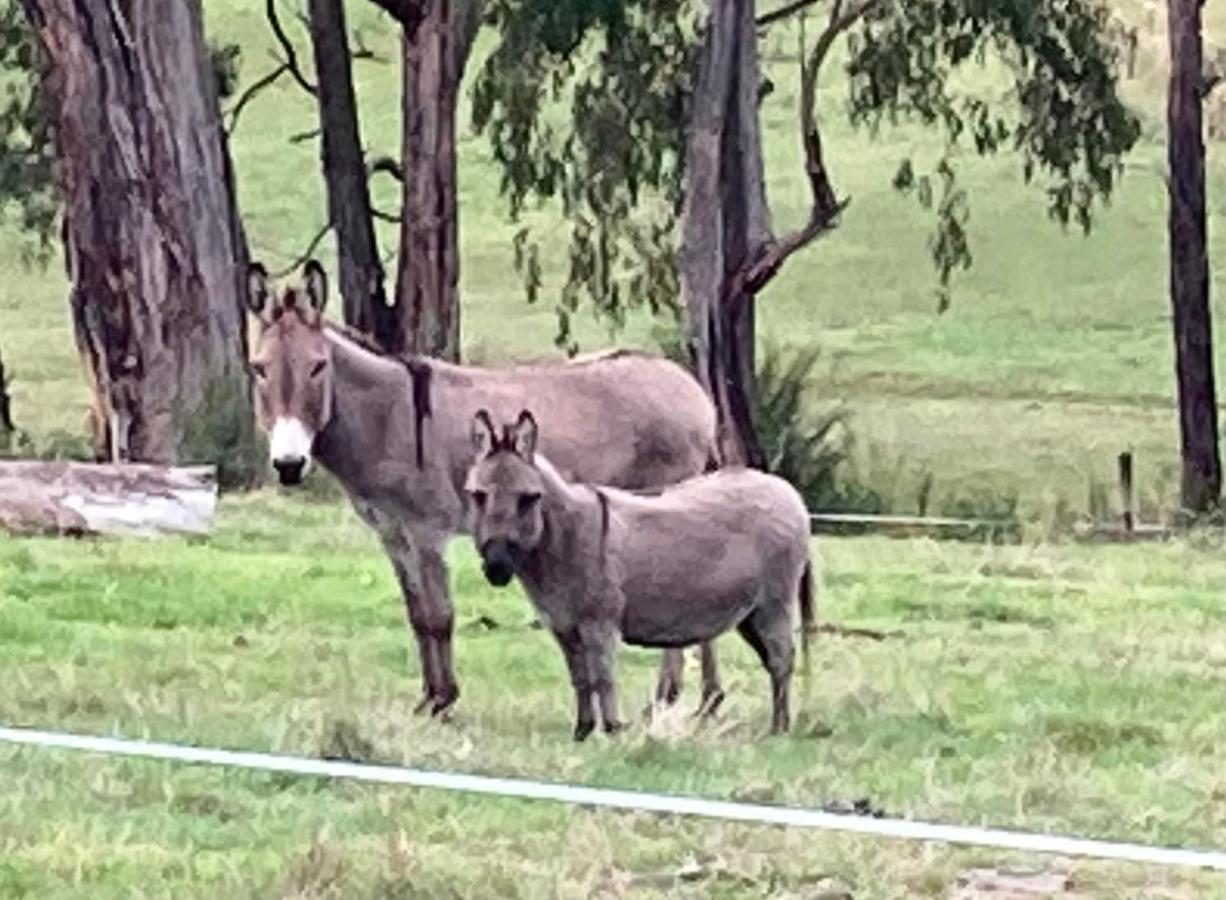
x: 807, y: 613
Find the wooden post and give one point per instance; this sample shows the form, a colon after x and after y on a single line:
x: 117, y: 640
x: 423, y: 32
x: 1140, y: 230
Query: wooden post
x: 1126, y: 492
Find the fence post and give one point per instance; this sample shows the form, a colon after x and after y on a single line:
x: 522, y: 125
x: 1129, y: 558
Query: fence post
x: 1126, y: 492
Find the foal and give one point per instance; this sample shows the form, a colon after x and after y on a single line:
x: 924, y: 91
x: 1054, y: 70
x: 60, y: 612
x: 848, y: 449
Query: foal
x: 678, y: 567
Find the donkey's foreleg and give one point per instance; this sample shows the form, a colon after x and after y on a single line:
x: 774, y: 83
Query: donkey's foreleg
x: 576, y: 662
x: 600, y: 638
x: 411, y: 595
x: 439, y: 625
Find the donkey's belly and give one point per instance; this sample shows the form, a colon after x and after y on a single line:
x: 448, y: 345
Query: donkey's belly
x: 680, y: 621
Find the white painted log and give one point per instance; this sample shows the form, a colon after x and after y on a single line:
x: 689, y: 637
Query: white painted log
x: 126, y: 499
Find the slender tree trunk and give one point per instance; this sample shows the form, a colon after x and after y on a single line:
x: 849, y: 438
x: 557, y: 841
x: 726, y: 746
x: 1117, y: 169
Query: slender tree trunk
x: 349, y: 208
x: 726, y: 223
x: 428, y: 274
x: 6, y: 408
x: 1189, y: 276
x: 154, y: 246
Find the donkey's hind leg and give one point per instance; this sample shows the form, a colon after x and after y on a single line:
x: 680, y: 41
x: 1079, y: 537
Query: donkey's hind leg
x: 712, y: 691
x: 770, y: 635
x: 672, y: 667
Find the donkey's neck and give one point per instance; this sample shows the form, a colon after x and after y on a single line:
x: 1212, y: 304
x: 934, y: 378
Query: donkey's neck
x: 576, y: 522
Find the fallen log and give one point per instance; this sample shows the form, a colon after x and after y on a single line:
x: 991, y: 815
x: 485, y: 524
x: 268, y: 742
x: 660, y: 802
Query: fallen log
x: 69, y: 498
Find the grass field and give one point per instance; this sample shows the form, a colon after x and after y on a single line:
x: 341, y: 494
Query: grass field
x: 1046, y: 688
x: 1042, y: 686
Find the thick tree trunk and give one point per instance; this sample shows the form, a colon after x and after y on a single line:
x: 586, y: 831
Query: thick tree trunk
x: 726, y: 223
x: 1189, y: 275
x: 154, y: 247
x: 349, y: 208
x: 428, y: 274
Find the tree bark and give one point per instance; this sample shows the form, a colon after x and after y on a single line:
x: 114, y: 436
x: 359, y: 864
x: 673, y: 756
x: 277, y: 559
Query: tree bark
x: 1201, y: 485
x: 428, y: 273
x: 726, y: 224
x: 361, y: 273
x: 154, y: 245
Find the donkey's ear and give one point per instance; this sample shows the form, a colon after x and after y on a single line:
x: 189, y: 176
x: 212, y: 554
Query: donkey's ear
x: 257, y: 288
x: 315, y: 284
x: 524, y: 435
x: 484, y: 438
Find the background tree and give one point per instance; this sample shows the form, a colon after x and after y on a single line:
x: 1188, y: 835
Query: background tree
x: 345, y: 176
x: 1201, y: 484
x: 436, y: 37
x: 153, y: 242
x: 624, y: 195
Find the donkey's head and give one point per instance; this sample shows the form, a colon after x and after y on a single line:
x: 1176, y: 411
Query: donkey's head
x: 505, y: 488
x: 291, y: 367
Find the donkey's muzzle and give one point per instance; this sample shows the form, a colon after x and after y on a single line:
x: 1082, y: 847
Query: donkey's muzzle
x: 498, y: 562
x: 290, y: 471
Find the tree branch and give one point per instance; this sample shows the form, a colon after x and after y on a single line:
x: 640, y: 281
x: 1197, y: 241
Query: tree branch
x: 291, y: 58
x: 783, y: 12
x: 248, y: 95
x: 1210, y: 83
x: 384, y: 216
x: 304, y: 136
x: 386, y: 165
x: 306, y: 254
x: 826, y: 207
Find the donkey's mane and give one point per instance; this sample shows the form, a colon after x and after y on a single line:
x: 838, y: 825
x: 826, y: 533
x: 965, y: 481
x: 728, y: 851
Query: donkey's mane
x: 419, y: 371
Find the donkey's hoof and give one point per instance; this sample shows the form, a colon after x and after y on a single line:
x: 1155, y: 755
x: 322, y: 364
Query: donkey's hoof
x: 443, y: 702
x: 614, y: 727
x: 582, y: 730
x: 427, y: 699
x: 710, y: 703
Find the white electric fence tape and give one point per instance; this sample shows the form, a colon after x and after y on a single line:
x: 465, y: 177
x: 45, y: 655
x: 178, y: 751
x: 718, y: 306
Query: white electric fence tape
x: 627, y: 800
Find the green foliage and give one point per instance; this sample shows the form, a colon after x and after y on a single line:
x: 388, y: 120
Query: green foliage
x: 222, y: 431
x: 809, y: 449
x: 27, y: 177
x: 224, y: 63
x: 1065, y: 118
x: 614, y: 159
x: 626, y: 71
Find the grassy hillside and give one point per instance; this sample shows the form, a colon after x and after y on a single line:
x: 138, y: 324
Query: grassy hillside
x: 1055, y: 355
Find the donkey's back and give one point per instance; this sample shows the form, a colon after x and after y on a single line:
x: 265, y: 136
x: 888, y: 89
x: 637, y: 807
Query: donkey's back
x: 697, y: 557
x: 621, y: 418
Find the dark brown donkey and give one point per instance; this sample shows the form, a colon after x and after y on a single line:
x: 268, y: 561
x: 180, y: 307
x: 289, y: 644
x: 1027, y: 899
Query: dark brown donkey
x: 730, y: 548
x: 395, y: 431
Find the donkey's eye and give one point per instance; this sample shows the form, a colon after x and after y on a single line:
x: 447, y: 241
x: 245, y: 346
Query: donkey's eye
x: 479, y: 498
x: 527, y: 502
x: 318, y: 368
x: 257, y: 369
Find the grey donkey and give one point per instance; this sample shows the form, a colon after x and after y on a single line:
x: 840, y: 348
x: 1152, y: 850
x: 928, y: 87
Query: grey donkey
x: 394, y: 430
x: 671, y: 568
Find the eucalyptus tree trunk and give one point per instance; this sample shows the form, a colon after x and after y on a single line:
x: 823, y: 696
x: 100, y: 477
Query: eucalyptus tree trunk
x: 1201, y: 486
x: 726, y: 223
x: 361, y: 273
x: 428, y: 275
x: 153, y: 243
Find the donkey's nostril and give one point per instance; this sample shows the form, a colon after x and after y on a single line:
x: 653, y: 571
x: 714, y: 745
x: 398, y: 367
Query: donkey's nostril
x: 290, y: 471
